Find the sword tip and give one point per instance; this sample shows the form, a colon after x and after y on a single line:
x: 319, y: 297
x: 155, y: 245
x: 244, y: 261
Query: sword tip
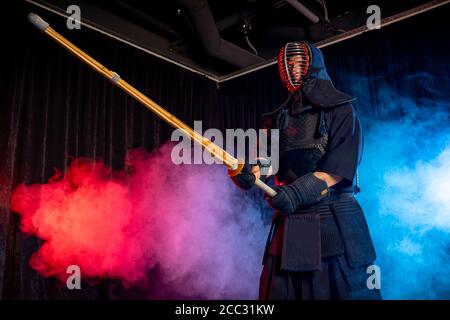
x: 38, y: 22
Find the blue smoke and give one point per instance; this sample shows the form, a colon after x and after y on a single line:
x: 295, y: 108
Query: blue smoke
x: 405, y: 181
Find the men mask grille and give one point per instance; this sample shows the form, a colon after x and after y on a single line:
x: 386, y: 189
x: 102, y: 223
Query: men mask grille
x: 293, y: 64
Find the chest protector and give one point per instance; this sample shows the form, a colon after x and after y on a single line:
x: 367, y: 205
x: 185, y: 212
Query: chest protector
x: 303, y: 141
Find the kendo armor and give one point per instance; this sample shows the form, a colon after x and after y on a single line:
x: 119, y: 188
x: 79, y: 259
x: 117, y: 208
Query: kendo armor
x: 303, y: 123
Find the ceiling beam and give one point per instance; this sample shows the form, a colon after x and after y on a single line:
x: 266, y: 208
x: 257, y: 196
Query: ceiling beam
x: 219, y: 79
x: 346, y: 35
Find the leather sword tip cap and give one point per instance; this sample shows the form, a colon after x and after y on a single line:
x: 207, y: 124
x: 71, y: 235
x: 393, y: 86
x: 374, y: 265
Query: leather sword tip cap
x: 38, y: 22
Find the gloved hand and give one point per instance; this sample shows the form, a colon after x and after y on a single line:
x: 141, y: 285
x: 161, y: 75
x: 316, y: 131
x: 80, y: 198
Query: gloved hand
x: 303, y: 192
x: 282, y: 201
x: 245, y: 179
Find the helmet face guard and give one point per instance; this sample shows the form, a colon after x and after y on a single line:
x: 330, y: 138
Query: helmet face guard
x: 294, y: 61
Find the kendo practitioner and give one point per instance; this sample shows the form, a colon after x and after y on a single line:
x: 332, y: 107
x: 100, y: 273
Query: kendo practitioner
x: 319, y: 246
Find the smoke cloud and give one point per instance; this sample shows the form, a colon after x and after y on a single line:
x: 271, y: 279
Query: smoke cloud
x: 405, y: 177
x: 205, y: 236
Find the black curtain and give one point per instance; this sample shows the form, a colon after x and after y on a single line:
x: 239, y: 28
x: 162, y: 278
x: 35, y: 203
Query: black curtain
x: 54, y: 109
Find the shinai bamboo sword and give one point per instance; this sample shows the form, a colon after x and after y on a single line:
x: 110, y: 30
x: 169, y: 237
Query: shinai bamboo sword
x: 232, y: 163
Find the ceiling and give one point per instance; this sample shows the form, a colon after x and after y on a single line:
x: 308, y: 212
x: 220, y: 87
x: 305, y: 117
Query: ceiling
x: 222, y: 39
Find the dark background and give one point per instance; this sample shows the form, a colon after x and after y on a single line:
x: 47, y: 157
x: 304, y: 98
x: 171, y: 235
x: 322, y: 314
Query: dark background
x: 53, y: 109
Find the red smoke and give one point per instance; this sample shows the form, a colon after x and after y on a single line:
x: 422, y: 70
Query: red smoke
x: 190, y: 220
x: 83, y: 219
